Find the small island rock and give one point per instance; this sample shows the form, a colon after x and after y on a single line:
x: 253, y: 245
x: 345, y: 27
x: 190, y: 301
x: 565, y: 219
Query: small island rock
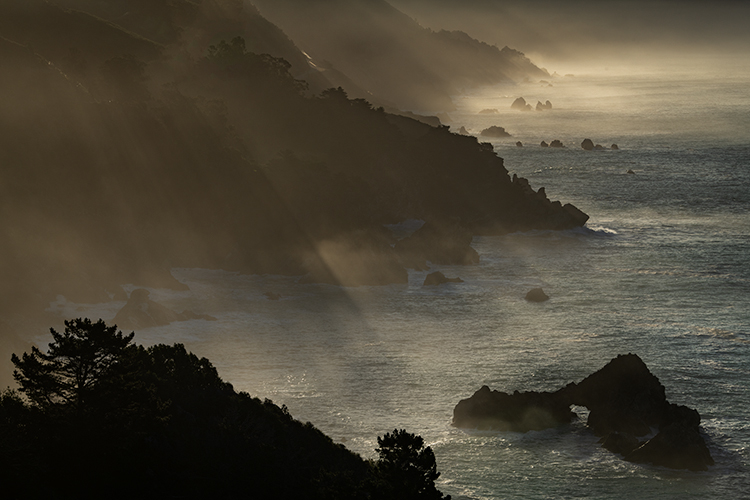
x: 521, y: 105
x: 542, y: 107
x: 536, y: 295
x: 438, y: 278
x: 587, y: 144
x: 625, y: 400
x: 495, y: 131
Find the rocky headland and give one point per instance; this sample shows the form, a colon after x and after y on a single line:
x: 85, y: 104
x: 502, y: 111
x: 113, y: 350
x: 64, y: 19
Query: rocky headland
x: 628, y: 410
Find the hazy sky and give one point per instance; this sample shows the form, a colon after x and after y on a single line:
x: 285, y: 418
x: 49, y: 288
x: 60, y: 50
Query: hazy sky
x: 603, y: 32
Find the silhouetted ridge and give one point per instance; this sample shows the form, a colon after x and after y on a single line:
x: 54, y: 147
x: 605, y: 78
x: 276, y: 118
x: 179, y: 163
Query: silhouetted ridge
x: 101, y: 414
x: 391, y: 56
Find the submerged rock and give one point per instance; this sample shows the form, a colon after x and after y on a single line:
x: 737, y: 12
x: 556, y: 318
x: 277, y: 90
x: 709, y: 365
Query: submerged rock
x: 625, y: 400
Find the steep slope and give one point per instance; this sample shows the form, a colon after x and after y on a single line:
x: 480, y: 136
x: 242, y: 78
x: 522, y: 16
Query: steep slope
x: 390, y: 55
x: 146, y: 158
x: 187, y: 27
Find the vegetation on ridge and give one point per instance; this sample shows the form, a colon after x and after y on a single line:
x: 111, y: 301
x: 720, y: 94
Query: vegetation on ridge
x: 98, y: 414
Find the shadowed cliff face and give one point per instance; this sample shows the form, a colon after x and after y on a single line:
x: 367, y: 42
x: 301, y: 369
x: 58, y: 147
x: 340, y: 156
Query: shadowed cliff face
x: 122, y: 156
x: 610, y: 33
x: 391, y: 56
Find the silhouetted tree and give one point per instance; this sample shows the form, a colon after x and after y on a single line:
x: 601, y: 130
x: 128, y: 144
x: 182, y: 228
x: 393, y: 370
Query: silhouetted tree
x: 159, y: 422
x: 76, y: 361
x: 407, y: 466
x: 263, y: 70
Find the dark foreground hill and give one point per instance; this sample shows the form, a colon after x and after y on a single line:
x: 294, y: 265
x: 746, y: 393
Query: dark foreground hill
x: 100, y: 417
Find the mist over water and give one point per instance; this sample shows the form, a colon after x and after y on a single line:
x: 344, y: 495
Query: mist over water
x: 660, y: 270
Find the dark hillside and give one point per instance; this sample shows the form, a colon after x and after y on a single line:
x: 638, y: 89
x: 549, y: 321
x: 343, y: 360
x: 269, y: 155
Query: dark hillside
x: 121, y: 158
x: 98, y: 413
x: 390, y: 55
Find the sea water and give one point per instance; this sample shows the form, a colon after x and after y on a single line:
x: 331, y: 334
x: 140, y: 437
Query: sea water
x: 662, y: 270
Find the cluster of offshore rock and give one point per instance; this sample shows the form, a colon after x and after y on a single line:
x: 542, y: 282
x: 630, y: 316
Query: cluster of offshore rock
x: 521, y: 105
x: 589, y: 145
x: 628, y: 410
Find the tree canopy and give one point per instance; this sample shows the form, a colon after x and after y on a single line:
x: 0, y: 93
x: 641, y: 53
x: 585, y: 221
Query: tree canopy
x: 98, y: 412
x: 77, y: 360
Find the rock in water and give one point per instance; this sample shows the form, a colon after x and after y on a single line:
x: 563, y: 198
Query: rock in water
x: 623, y: 396
x: 587, y: 144
x: 536, y: 295
x: 494, y: 131
x: 625, y: 401
x: 438, y: 278
x: 517, y: 412
x: 678, y: 446
x: 542, y: 107
x: 520, y: 104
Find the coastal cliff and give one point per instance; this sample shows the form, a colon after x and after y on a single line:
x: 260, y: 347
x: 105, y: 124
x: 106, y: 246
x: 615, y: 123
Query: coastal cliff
x: 128, y: 150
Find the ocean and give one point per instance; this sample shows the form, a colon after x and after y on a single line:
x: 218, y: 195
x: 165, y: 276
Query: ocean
x: 662, y: 270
